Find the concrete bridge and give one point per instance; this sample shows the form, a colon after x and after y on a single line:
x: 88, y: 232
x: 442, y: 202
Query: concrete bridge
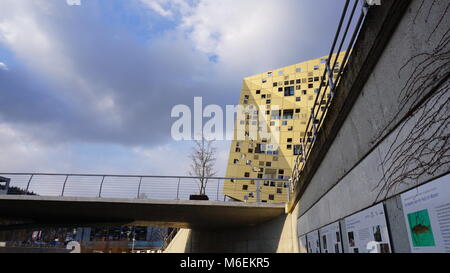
x: 77, y: 200
x: 40, y: 211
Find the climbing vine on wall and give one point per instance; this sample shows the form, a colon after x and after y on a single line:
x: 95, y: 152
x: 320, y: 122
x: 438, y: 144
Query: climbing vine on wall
x: 421, y: 143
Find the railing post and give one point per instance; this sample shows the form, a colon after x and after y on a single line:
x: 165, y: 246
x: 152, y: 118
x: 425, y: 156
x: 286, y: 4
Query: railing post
x: 330, y: 79
x: 178, y: 189
x: 218, y: 188
x: 139, y: 188
x: 28, y: 185
x: 289, y: 191
x: 258, y: 191
x: 64, y: 186
x: 101, y: 187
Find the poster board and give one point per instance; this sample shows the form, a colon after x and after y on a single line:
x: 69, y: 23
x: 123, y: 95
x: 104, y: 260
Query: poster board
x: 313, y: 242
x: 367, y: 231
x: 331, y: 239
x: 303, y: 248
x: 427, y: 216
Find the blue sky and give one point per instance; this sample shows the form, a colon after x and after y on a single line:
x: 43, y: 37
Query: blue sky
x: 89, y: 88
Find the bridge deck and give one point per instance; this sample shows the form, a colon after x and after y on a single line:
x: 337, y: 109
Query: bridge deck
x: 93, y: 211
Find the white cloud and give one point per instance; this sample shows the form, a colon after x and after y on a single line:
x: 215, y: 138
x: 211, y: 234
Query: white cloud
x: 3, y: 66
x: 168, y: 8
x: 73, y: 2
x: 252, y: 35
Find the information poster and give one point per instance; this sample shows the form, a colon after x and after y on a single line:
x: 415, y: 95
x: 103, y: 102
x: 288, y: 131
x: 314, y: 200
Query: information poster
x: 330, y: 239
x: 312, y: 239
x: 427, y: 217
x: 303, y: 248
x: 367, y: 231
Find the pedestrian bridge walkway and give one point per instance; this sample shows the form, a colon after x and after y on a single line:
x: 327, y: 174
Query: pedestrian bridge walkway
x: 87, y: 200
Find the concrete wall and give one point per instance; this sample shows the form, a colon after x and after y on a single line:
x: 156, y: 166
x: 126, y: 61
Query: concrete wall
x: 274, y: 236
x: 347, y: 180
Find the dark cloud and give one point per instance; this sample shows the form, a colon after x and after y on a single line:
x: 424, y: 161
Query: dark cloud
x: 100, y: 83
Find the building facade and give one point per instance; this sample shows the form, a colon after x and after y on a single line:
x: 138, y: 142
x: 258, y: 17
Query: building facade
x: 278, y: 105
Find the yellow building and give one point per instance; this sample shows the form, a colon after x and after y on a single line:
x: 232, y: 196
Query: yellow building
x: 279, y: 101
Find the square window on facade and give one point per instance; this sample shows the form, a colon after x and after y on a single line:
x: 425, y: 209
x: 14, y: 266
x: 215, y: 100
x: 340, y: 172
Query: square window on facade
x: 268, y: 164
x: 292, y: 82
x: 275, y: 84
x: 289, y: 140
x: 298, y: 99
x: 258, y: 92
x: 288, y: 114
x: 289, y: 91
x: 289, y: 147
x: 297, y: 149
x: 247, y: 175
x: 310, y: 85
x: 245, y: 187
x: 279, y: 191
x: 271, y: 197
x: 298, y: 81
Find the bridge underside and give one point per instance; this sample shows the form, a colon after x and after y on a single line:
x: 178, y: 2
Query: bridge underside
x: 37, y: 211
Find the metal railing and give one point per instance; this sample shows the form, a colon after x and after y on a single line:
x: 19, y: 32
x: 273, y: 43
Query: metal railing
x: 333, y: 74
x: 132, y: 186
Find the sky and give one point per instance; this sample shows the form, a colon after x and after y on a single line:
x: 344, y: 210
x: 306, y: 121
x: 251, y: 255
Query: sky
x: 87, y: 86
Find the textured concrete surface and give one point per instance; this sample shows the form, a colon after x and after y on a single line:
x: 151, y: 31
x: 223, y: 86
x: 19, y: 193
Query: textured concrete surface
x: 182, y: 214
x: 275, y: 236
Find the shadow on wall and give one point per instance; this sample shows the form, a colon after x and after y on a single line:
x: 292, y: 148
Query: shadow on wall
x: 271, y: 237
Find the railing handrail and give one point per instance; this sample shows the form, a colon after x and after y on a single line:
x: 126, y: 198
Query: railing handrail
x: 151, y: 176
x: 314, y: 124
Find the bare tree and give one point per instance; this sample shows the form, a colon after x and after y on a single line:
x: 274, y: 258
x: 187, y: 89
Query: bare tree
x: 203, y: 159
